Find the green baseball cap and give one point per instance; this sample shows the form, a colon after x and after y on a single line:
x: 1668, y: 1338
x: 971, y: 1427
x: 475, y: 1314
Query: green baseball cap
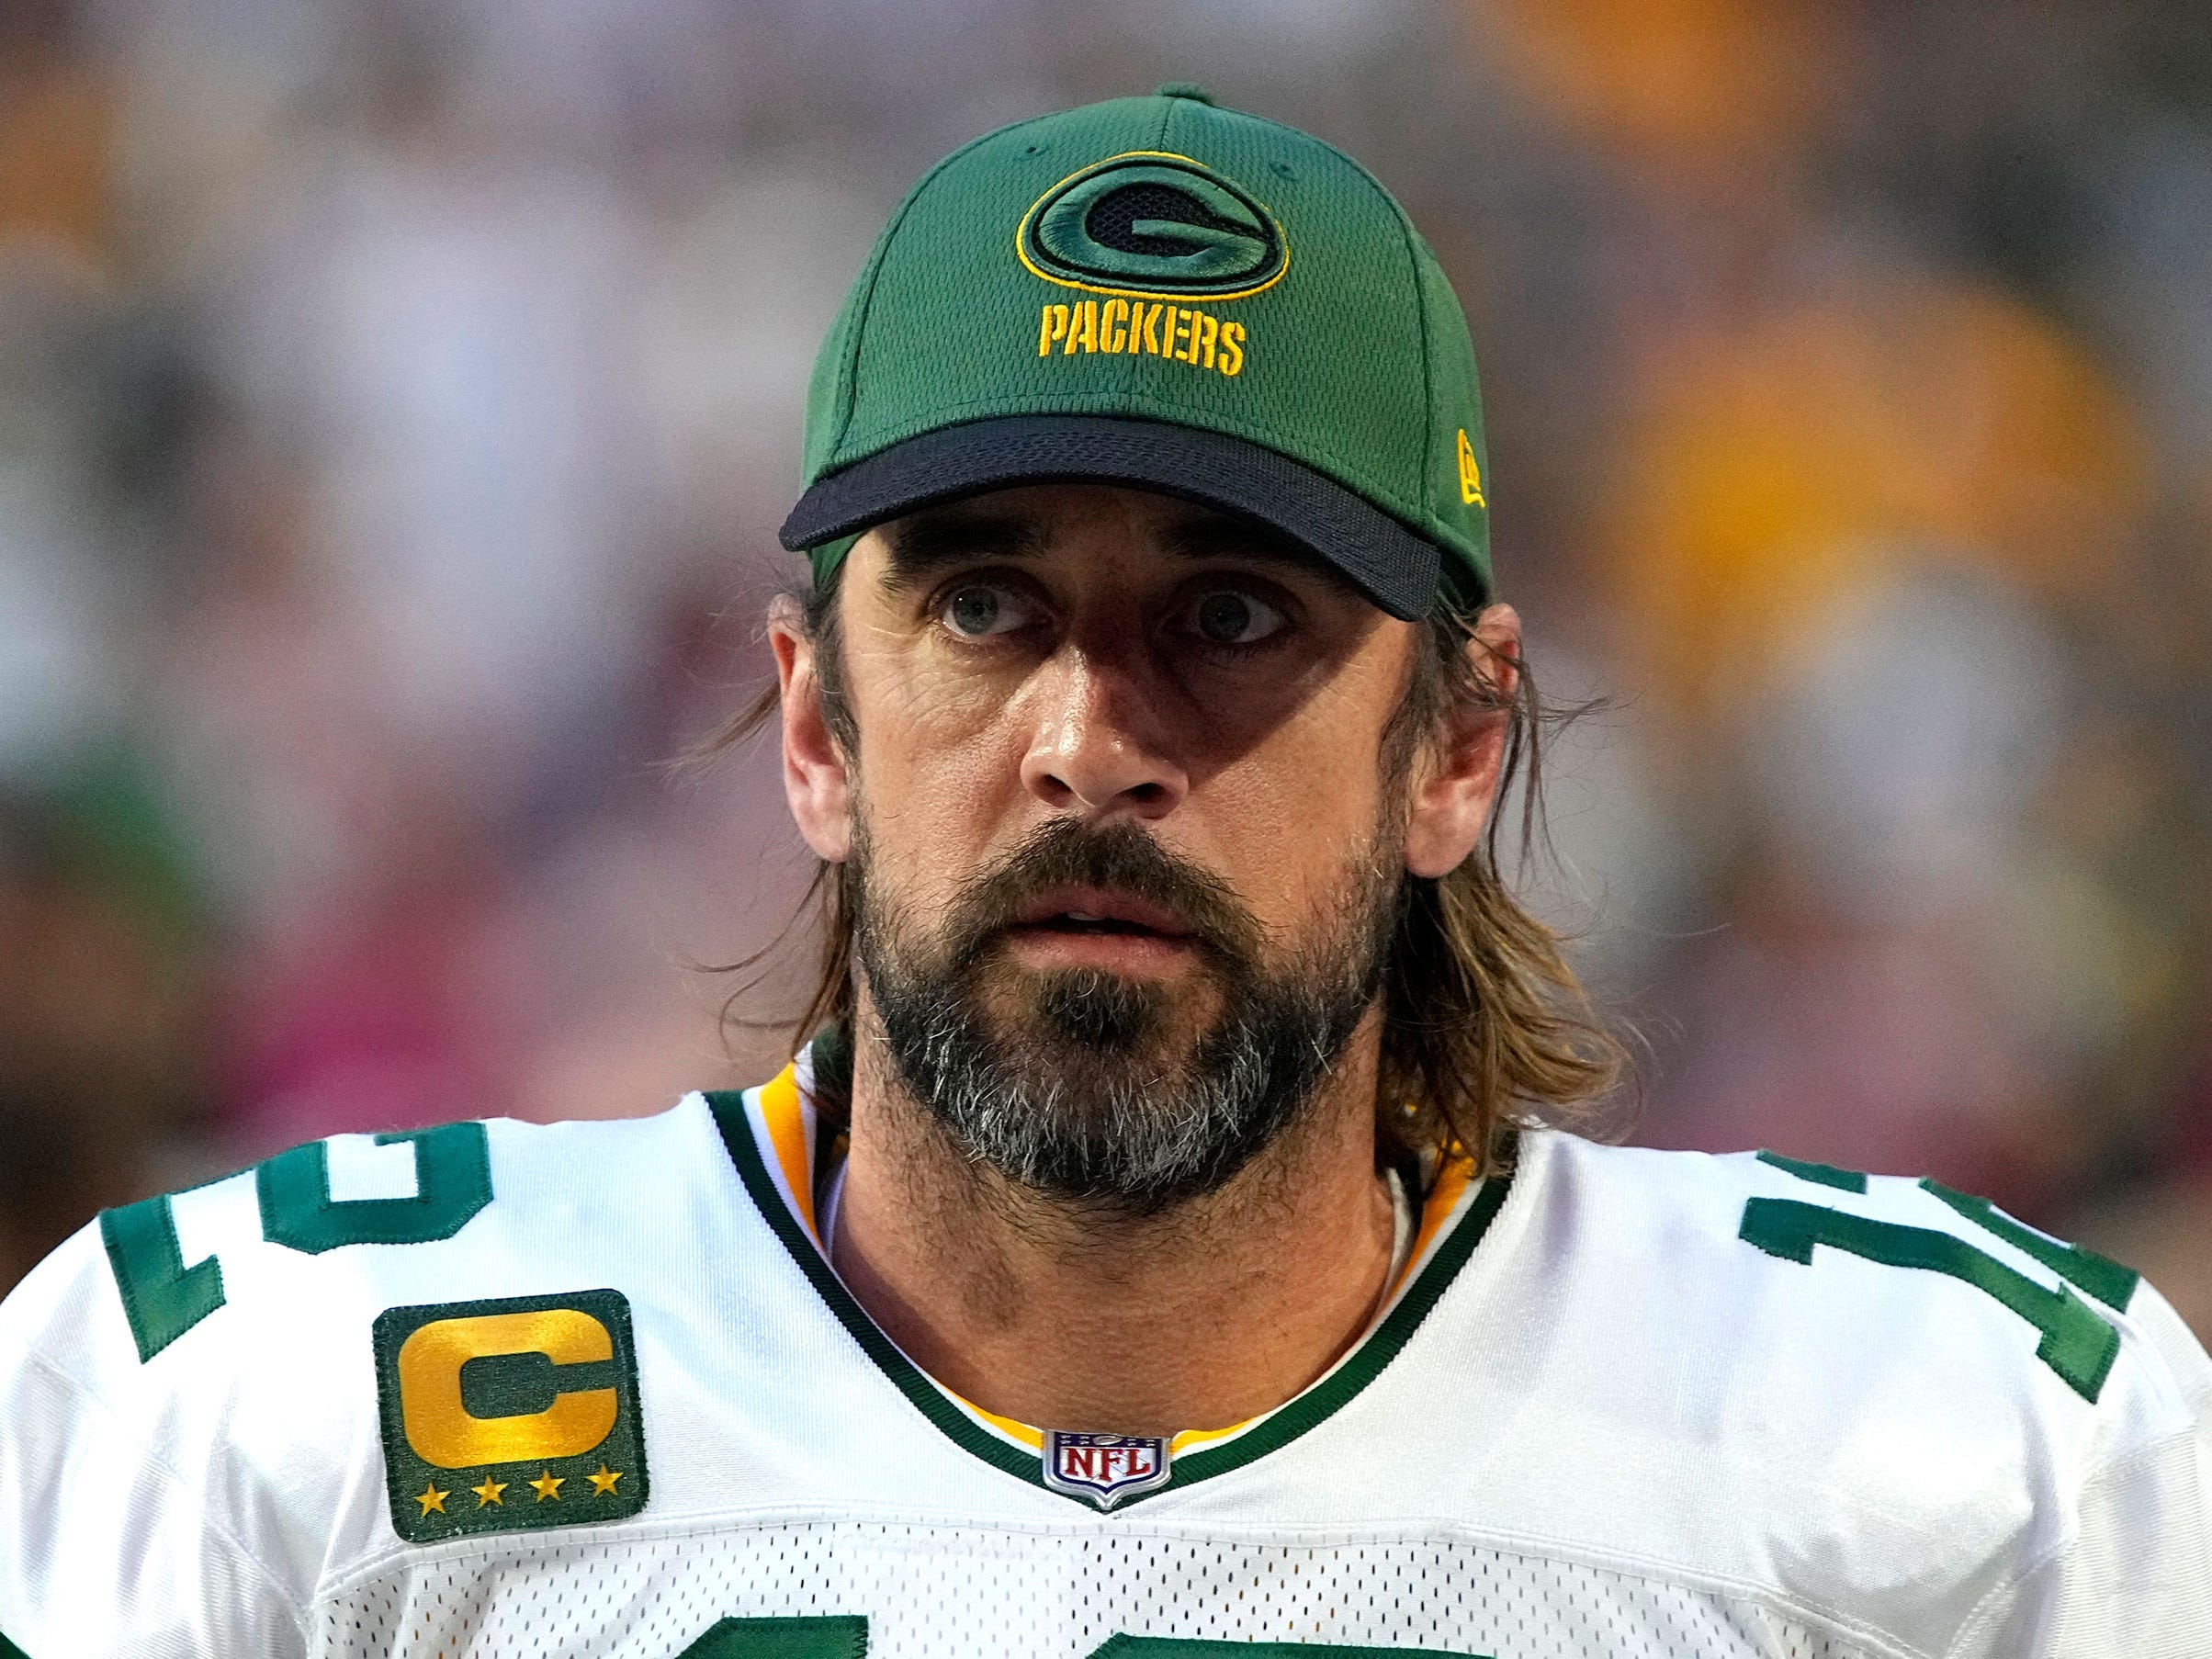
x: 1157, y: 292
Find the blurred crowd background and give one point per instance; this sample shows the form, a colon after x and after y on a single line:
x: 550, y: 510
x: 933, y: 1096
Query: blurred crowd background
x: 398, y: 399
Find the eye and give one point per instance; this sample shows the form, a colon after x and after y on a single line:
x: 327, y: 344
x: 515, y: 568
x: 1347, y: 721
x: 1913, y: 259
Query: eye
x: 977, y: 610
x: 1233, y: 616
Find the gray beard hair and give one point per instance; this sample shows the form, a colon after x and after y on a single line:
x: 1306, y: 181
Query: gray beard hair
x: 1077, y: 1102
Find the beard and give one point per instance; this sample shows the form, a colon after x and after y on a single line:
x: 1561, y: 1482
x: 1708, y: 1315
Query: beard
x: 1123, y: 1092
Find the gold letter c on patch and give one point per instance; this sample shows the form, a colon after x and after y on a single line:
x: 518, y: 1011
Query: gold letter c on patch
x: 438, y: 1424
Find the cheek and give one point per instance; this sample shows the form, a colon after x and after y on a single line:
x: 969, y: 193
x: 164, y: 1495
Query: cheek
x: 1288, y: 819
x: 940, y: 772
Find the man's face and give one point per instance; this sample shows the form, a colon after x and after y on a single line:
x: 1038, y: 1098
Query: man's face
x: 1129, y: 850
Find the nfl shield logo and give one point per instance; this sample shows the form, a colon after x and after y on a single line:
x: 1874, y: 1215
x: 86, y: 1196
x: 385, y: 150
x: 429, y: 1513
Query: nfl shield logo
x: 1104, y: 1468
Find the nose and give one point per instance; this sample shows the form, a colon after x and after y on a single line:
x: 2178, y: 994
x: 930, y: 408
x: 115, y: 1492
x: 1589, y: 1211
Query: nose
x: 1099, y: 745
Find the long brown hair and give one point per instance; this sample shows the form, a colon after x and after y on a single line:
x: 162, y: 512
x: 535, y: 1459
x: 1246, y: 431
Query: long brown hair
x: 1486, y: 1026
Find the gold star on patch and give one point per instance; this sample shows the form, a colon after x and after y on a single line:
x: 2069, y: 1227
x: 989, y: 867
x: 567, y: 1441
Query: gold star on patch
x: 430, y: 1497
x: 548, y: 1485
x: 604, y: 1481
x: 490, y: 1492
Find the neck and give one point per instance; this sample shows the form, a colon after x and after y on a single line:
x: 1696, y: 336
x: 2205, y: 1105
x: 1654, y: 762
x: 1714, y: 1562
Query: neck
x: 1067, y: 1317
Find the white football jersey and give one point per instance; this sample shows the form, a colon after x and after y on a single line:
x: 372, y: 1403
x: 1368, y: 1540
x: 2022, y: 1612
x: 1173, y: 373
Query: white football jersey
x: 592, y: 1389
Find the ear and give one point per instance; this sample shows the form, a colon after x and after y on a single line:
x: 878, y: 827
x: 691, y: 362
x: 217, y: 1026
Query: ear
x: 816, y: 779
x: 1456, y: 787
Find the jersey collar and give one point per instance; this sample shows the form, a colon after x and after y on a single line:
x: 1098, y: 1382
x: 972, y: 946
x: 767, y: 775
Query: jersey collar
x: 774, y: 1139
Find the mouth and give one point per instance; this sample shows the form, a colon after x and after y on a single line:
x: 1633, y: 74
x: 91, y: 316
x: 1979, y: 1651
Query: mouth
x: 1100, y: 910
x: 1097, y: 927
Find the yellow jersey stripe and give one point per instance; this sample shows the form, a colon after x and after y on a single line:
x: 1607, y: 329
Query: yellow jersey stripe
x: 786, y: 1114
x: 1021, y: 1433
x: 1206, y: 1437
x: 1443, y: 1204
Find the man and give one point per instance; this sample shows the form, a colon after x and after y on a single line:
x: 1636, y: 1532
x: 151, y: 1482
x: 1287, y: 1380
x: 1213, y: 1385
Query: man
x: 1156, y: 1251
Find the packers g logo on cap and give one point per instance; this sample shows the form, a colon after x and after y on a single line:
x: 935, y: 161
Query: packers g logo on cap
x: 509, y: 1416
x: 1152, y: 224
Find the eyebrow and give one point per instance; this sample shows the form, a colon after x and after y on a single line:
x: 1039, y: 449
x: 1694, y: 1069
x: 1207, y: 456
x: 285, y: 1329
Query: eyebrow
x: 1226, y: 537
x: 925, y: 543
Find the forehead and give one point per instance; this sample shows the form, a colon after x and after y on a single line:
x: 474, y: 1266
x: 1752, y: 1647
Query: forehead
x: 1042, y: 521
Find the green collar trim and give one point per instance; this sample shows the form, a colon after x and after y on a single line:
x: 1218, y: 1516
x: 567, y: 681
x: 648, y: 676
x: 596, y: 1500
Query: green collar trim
x: 1296, y: 1417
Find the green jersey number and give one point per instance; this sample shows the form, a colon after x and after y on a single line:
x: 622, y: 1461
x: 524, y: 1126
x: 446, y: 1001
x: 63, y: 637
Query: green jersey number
x: 847, y: 1638
x: 453, y: 1183
x: 162, y: 1298
x: 816, y: 1638
x: 2077, y: 1344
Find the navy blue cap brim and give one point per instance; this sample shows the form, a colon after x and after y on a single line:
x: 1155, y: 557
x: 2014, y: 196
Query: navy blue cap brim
x: 1377, y: 554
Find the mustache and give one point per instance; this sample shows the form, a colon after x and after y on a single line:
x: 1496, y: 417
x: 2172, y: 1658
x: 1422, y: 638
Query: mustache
x: 1120, y: 857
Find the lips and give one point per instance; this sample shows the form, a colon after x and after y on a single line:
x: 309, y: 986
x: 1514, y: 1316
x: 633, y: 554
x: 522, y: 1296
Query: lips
x: 1083, y: 909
